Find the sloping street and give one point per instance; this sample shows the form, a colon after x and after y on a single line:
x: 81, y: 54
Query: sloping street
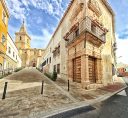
x: 24, y: 97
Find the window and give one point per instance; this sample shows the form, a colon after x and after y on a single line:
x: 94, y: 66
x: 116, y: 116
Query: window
x: 3, y: 38
x: 20, y: 38
x: 55, y: 68
x: 58, y: 49
x: 44, y: 63
x: 9, y: 50
x: 103, y: 37
x: 4, y: 17
x: 13, y: 54
x: 77, y: 33
x: 47, y: 61
x: 50, y: 60
x: 93, y: 28
x: 113, y: 70
x: 58, y: 68
x: 16, y: 57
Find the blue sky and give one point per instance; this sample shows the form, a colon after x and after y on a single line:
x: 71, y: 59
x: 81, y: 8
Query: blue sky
x: 42, y: 17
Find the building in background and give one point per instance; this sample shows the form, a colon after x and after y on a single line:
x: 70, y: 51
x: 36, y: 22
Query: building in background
x: 4, y: 16
x: 29, y: 56
x: 13, y: 59
x: 82, y: 48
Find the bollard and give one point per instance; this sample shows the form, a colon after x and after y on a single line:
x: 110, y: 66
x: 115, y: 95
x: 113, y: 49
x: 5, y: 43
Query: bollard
x: 68, y: 85
x: 42, y: 87
x: 5, y: 89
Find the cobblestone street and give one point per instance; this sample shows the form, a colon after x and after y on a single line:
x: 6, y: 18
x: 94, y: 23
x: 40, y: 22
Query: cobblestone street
x: 24, y: 99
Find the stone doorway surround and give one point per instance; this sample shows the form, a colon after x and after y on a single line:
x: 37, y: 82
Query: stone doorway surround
x: 85, y: 80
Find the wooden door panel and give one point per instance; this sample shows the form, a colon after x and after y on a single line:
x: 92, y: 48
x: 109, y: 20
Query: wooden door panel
x: 92, y: 70
x: 77, y: 69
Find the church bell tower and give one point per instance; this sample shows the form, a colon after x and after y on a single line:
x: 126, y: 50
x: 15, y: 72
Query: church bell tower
x: 22, y: 40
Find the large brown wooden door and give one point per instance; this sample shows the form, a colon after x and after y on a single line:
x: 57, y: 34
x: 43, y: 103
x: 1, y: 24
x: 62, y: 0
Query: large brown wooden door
x: 77, y: 69
x: 92, y: 75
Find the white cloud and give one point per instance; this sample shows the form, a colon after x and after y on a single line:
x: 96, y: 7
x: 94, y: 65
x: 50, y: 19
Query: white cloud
x: 12, y: 31
x: 39, y: 20
x: 17, y: 10
x: 41, y: 41
x: 122, y: 51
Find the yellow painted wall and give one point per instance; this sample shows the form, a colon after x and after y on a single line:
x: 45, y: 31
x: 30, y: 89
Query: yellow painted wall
x: 3, y: 30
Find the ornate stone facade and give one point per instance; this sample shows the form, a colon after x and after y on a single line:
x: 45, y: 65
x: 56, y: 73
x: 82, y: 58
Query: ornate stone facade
x: 86, y: 35
x: 29, y: 56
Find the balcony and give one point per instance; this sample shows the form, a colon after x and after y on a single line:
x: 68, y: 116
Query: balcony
x: 94, y: 31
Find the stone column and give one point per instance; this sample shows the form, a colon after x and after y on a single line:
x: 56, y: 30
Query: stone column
x: 84, y: 71
x: 99, y: 71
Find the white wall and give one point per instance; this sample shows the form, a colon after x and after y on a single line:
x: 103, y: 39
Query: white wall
x: 14, y: 49
x: 58, y: 39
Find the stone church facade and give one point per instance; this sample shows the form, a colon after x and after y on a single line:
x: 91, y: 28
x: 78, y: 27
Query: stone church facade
x: 31, y: 57
x: 84, y: 44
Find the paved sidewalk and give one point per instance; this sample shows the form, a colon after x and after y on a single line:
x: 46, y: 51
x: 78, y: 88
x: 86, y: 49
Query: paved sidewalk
x: 24, y: 100
x: 81, y: 94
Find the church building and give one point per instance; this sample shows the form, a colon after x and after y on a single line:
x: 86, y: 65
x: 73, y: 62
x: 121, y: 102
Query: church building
x: 30, y: 57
